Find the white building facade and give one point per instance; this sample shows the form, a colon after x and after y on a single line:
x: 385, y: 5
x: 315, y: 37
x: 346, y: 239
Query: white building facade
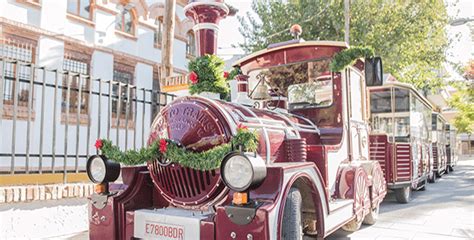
x: 107, y: 54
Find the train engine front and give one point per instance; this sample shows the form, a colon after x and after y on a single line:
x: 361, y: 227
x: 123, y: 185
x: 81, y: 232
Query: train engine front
x: 300, y: 178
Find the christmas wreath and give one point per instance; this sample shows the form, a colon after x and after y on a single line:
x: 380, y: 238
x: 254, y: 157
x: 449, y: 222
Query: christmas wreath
x: 167, y: 149
x: 207, y: 74
x: 347, y: 57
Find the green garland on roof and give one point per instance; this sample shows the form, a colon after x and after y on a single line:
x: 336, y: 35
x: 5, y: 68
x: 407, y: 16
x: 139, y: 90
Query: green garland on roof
x: 348, y: 56
x: 170, y: 150
x: 206, y: 74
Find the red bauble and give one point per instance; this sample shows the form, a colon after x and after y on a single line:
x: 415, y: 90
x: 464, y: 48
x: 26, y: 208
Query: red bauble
x: 98, y: 143
x: 226, y: 75
x: 242, y: 127
x: 193, y: 77
x: 163, y: 145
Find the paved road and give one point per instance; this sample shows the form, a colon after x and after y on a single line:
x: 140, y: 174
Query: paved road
x: 444, y: 211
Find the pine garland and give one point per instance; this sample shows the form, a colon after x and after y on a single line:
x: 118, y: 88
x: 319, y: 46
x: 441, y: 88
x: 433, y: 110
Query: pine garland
x: 349, y: 56
x: 170, y: 150
x: 207, y: 75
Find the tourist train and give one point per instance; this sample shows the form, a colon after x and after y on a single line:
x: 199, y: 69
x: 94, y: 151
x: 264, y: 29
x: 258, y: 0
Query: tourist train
x: 413, y: 143
x: 318, y: 165
x: 401, y: 137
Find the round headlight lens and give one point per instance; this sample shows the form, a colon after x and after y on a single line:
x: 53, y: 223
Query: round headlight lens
x: 238, y: 172
x: 97, y: 170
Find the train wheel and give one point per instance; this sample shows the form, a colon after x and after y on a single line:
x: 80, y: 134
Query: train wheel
x: 432, y: 177
x: 423, y: 188
x: 403, y: 195
x: 353, y: 225
x: 373, y: 215
x: 292, y: 227
x: 361, y: 200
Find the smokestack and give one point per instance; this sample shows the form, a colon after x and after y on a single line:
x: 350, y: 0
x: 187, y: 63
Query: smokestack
x: 206, y: 15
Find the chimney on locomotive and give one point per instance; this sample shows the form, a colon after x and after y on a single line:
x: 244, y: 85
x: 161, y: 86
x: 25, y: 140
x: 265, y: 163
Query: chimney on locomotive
x: 206, y: 15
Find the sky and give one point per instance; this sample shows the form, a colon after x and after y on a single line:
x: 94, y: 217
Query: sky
x: 461, y: 51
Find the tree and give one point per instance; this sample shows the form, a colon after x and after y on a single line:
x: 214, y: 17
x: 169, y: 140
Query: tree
x: 408, y: 35
x: 463, y: 101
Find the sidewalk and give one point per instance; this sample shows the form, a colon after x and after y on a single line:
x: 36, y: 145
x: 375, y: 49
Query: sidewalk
x: 43, y: 219
x: 444, y: 211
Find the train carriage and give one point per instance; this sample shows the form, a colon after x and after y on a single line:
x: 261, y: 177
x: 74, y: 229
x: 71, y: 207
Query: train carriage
x: 451, y: 148
x: 401, y: 136
x: 438, y: 145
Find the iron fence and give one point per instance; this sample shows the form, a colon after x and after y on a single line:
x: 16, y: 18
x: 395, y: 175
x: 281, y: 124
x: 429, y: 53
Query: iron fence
x: 51, y: 124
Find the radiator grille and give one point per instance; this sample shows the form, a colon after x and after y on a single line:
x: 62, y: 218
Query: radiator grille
x: 186, y: 186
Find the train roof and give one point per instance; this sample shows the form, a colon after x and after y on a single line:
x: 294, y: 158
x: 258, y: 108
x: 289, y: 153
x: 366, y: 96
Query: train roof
x: 406, y: 86
x: 441, y: 116
x: 288, y: 45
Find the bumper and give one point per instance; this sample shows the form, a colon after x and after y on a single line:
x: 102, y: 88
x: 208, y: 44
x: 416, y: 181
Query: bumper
x: 180, y: 224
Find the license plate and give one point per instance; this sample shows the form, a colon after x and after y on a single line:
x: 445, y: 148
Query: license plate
x: 167, y: 224
x: 156, y: 230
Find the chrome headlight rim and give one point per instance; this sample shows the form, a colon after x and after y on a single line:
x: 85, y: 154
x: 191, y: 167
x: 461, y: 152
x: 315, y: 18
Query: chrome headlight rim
x: 112, y: 169
x: 257, y: 166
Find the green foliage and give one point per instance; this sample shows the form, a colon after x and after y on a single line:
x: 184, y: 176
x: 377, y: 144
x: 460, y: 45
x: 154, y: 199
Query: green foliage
x: 129, y: 157
x: 235, y: 71
x: 206, y: 160
x: 210, y: 70
x: 408, y: 35
x: 246, y: 139
x: 349, y: 56
x: 463, y: 101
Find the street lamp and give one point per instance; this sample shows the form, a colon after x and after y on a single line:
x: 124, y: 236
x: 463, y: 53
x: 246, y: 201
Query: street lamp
x: 460, y: 21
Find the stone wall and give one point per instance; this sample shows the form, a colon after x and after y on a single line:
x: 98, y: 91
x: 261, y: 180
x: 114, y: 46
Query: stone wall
x: 28, y: 193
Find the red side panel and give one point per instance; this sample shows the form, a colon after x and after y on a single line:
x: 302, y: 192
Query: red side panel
x: 435, y: 158
x: 317, y: 154
x: 380, y: 150
x: 403, y: 162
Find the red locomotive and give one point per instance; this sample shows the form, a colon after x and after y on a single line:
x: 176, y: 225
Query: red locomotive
x: 311, y: 174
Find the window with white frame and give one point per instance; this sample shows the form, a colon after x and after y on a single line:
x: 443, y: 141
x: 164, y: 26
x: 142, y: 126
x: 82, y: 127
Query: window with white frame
x: 121, y: 94
x: 75, y: 80
x: 158, y: 37
x: 125, y: 22
x: 19, y: 53
x: 81, y: 8
x: 191, y: 44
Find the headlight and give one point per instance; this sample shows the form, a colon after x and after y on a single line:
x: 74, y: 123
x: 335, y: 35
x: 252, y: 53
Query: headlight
x: 100, y: 169
x: 241, y: 172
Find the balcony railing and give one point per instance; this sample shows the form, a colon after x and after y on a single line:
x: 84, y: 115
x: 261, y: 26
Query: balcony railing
x: 37, y: 134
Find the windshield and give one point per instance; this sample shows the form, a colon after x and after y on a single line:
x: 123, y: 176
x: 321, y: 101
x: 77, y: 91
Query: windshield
x: 306, y: 84
x: 313, y: 94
